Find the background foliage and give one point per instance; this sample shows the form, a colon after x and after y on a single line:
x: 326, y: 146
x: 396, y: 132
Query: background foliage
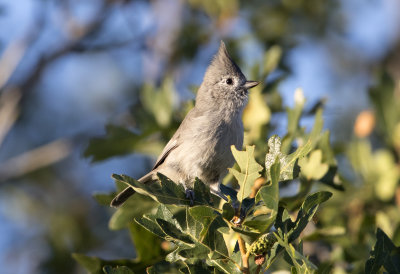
x: 69, y: 68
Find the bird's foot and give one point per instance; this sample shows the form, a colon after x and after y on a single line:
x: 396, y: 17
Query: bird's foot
x: 190, y: 196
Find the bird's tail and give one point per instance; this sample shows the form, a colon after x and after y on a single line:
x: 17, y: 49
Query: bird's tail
x: 128, y: 192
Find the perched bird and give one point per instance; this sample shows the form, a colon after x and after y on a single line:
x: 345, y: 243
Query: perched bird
x: 201, y: 147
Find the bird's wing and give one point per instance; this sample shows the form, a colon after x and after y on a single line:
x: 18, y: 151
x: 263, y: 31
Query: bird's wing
x: 172, y: 144
x: 175, y: 140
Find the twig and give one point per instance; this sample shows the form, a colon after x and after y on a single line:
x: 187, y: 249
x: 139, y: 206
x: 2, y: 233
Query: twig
x: 245, y: 255
x: 8, y: 110
x: 35, y: 159
x: 260, y: 182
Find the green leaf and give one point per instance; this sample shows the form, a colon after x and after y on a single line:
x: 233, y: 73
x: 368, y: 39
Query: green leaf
x: 269, y: 194
x: 103, y: 198
x: 227, y: 211
x: 314, y: 200
x: 91, y: 264
x: 226, y: 266
x: 265, y: 214
x: 117, y: 270
x: 162, y: 267
x: 173, y: 232
x: 95, y: 265
x: 309, y: 207
x: 294, y: 114
x: 271, y: 59
x: 256, y: 114
x: 326, y: 233
x: 249, y: 170
x: 306, y: 213
x: 197, y: 233
x: 312, y: 166
x: 130, y: 210
x: 121, y: 141
x: 248, y: 235
x: 386, y: 106
x: 332, y: 179
x: 212, y: 224
x: 142, y: 239
x: 198, y: 268
x: 325, y: 268
x: 159, y: 102
x: 300, y: 262
x: 327, y: 151
x: 385, y: 254
x: 168, y: 192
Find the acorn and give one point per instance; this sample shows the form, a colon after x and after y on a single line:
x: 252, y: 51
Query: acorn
x: 263, y: 245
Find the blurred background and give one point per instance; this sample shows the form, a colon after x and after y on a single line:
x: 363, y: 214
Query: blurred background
x: 95, y: 87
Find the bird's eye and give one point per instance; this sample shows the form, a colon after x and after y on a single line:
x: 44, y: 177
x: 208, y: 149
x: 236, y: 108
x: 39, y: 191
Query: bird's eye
x: 229, y: 81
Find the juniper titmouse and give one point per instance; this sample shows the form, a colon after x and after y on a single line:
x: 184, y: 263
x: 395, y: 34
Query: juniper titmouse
x: 201, y: 147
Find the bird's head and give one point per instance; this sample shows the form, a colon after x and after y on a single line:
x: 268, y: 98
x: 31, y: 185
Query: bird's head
x: 224, y: 82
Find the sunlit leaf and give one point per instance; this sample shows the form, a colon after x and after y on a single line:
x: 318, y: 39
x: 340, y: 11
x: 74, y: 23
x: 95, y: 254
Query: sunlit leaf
x: 312, y: 166
x: 248, y: 170
x: 256, y: 114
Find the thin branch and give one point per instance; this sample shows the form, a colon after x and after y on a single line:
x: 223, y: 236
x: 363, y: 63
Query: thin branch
x: 9, y: 100
x: 35, y: 159
x: 245, y: 255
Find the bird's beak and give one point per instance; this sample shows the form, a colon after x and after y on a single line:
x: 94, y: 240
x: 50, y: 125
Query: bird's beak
x: 250, y: 84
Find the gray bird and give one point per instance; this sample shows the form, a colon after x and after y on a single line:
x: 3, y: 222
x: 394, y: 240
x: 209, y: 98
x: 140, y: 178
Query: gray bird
x: 201, y: 147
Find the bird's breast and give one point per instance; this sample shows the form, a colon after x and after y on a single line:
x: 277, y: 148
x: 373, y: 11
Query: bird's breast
x: 205, y: 151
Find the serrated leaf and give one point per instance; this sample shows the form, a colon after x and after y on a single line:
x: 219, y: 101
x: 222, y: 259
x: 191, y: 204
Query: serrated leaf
x: 168, y: 192
x: 385, y: 254
x: 197, y: 233
x: 249, y: 170
x: 174, y: 232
